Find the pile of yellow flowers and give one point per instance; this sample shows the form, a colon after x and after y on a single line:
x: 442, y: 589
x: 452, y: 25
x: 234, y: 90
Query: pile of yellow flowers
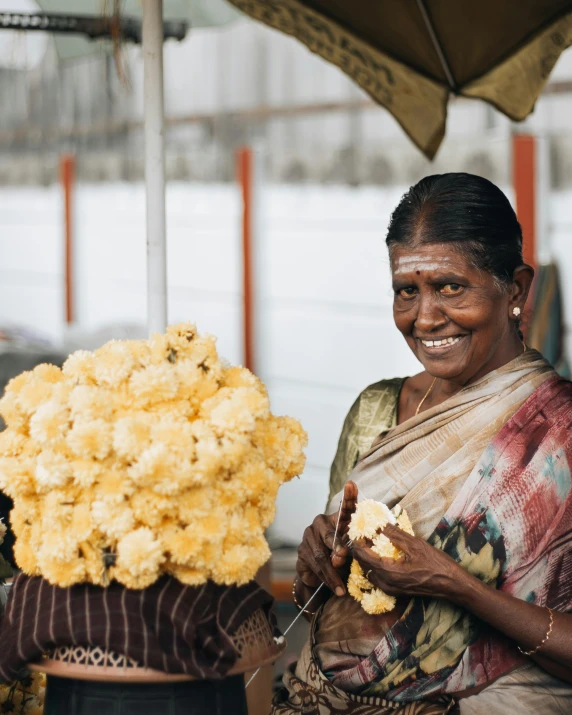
x: 144, y: 458
x: 24, y: 697
x: 366, y: 523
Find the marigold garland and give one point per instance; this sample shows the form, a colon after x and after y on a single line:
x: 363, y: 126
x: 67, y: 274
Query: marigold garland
x: 144, y: 458
x: 366, y: 523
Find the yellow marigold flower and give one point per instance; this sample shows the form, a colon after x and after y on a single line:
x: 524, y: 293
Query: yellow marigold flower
x: 159, y: 348
x: 180, y: 337
x: 113, y: 520
x: 113, y: 363
x: 174, y: 433
x: 62, y: 573
x: 79, y: 367
x: 383, y: 547
x: 358, y: 576
x: 241, y: 377
x: 25, y: 555
x: 281, y: 441
x: 12, y: 414
x: 196, y: 385
x: 140, y: 352
x: 266, y: 506
x: 61, y: 545
x: 376, y: 601
x: 33, y: 394
x: 12, y: 443
x: 354, y: 590
x: 158, y: 469
x: 50, y: 423
x: 114, y: 486
x: 149, y: 508
x: 194, y: 502
x: 132, y: 435
x: 88, y: 402
x: 53, y: 470
x: 368, y: 517
x: 186, y: 574
x: 240, y: 563
x: 85, y: 472
x: 140, y: 554
x: 95, y: 569
x: 205, y: 353
x: 17, y: 476
x: 14, y: 385
x: 48, y: 373
x: 90, y: 439
x: 253, y: 478
x: 208, y: 556
x: 26, y: 512
x: 208, y: 455
x: 212, y: 527
x: 183, y: 545
x: 81, y: 522
x: 236, y: 409
x: 152, y: 384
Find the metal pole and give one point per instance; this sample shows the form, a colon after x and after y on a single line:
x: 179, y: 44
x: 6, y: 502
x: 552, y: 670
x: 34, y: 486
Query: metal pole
x: 155, y: 165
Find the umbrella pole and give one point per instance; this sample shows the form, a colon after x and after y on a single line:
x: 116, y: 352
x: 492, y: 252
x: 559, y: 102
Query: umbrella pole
x: 154, y: 165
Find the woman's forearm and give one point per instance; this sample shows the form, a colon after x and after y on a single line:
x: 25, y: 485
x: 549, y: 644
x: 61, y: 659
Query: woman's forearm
x: 524, y: 622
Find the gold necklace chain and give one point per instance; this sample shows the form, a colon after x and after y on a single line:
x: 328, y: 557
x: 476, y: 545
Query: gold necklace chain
x: 425, y: 396
x: 432, y: 385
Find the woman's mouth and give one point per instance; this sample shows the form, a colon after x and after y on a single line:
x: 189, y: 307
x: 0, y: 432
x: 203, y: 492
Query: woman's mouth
x: 441, y: 344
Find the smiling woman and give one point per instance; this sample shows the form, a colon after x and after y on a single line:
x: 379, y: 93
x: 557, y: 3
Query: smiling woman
x: 477, y: 449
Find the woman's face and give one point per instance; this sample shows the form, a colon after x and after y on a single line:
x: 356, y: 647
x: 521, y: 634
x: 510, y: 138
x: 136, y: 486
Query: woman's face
x: 453, y: 316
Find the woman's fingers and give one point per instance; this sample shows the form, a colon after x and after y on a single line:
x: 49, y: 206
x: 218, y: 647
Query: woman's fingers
x: 340, y: 556
x: 398, y: 537
x: 320, y: 561
x: 349, y: 502
x: 380, y: 568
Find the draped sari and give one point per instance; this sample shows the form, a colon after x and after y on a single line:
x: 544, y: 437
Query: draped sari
x: 485, y: 477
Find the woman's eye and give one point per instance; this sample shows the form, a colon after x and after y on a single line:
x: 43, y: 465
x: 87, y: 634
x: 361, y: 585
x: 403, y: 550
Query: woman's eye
x: 406, y: 293
x: 451, y: 289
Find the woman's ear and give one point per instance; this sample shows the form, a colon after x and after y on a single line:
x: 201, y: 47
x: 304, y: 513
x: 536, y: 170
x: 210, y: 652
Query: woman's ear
x: 522, y: 281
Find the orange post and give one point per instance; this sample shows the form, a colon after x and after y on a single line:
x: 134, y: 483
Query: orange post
x: 245, y: 179
x: 67, y: 179
x: 524, y: 174
x: 524, y: 181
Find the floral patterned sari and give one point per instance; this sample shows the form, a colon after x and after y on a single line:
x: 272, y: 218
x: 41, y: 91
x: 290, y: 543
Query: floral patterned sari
x: 485, y: 477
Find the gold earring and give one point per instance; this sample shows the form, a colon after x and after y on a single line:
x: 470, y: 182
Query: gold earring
x: 516, y: 312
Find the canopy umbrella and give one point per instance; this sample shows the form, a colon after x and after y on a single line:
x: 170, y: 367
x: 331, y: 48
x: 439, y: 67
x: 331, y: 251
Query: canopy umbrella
x: 412, y: 55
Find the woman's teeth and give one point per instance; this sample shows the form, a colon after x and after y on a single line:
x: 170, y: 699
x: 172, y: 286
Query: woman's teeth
x: 440, y: 343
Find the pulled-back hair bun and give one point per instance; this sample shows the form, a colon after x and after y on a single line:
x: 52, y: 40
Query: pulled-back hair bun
x: 466, y: 210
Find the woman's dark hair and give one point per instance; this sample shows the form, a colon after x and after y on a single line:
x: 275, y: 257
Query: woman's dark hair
x: 466, y: 210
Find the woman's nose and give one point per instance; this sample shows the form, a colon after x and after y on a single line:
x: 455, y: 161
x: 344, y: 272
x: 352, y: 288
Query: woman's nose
x: 429, y: 314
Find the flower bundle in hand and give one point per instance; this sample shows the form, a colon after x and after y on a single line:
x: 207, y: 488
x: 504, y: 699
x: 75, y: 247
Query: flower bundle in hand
x: 367, y: 522
x: 144, y: 458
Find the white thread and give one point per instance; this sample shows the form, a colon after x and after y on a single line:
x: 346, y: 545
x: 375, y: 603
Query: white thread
x: 312, y: 596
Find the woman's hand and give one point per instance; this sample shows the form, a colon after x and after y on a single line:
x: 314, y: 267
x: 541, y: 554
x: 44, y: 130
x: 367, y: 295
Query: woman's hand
x: 317, y: 562
x: 423, y: 570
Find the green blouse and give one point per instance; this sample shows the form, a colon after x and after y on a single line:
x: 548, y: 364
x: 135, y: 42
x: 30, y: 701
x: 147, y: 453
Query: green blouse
x: 374, y: 411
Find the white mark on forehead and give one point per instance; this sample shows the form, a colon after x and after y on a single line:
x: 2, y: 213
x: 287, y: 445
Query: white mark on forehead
x: 420, y: 262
